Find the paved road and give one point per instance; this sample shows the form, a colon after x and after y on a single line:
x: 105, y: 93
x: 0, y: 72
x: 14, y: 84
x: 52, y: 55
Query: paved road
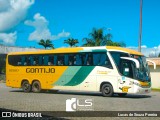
x: 16, y: 99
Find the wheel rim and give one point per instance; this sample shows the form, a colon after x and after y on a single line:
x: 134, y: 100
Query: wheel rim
x: 36, y: 87
x: 106, y: 90
x: 26, y: 86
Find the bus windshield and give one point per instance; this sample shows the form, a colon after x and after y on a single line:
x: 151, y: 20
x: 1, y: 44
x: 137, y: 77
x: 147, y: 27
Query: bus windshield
x: 143, y: 73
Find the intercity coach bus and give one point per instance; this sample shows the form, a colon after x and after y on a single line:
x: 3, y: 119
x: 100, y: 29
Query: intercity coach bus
x: 109, y: 70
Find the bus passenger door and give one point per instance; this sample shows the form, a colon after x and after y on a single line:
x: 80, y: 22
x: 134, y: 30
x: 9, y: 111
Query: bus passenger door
x: 124, y: 82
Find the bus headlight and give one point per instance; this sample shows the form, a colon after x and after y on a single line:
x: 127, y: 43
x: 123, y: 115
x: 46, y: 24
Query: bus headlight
x: 138, y: 84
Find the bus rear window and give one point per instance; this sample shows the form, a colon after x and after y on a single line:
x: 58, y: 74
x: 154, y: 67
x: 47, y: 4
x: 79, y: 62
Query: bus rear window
x: 14, y: 60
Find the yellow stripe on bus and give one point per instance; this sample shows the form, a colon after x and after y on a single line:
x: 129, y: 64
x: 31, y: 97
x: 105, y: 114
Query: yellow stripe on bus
x: 124, y: 49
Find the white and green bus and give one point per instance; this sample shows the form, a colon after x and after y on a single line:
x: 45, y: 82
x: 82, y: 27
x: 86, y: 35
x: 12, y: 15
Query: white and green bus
x: 109, y: 70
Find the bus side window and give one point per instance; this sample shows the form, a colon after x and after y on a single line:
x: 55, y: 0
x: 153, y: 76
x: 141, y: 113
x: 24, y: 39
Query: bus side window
x: 116, y: 56
x: 55, y: 60
x: 23, y: 60
x: 36, y: 58
x: 101, y: 59
x: 84, y: 58
x: 40, y: 60
x: 45, y: 60
x: 61, y: 60
x: 51, y: 60
x: 96, y: 59
x: 104, y: 61
x: 90, y: 59
x: 66, y: 60
x: 31, y: 60
x: 14, y: 60
x: 71, y: 60
x: 19, y: 63
x: 78, y: 59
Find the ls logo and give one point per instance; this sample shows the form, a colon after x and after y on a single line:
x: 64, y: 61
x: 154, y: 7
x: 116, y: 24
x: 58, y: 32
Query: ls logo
x: 75, y: 104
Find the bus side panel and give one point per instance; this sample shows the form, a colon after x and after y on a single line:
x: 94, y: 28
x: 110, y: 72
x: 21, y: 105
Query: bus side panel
x: 86, y: 78
x: 45, y: 75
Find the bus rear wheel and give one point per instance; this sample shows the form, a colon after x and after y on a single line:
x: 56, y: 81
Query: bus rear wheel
x: 26, y: 86
x: 36, y: 87
x: 107, y: 90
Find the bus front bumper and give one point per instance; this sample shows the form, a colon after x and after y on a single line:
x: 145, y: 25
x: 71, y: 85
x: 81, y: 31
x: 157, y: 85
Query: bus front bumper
x: 141, y: 90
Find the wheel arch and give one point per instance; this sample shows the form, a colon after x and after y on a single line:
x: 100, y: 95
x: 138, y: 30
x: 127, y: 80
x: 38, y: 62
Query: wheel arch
x: 100, y: 89
x: 24, y: 81
x: 35, y: 80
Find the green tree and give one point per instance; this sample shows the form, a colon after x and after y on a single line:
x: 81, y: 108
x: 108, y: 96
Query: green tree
x: 108, y: 40
x: 71, y: 42
x: 122, y: 44
x: 111, y: 43
x: 89, y: 42
x: 159, y: 55
x: 46, y: 43
x: 97, y: 38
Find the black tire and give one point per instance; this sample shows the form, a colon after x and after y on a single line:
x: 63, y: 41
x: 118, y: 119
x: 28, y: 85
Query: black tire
x: 107, y: 90
x: 26, y: 86
x: 36, y: 87
x: 122, y: 94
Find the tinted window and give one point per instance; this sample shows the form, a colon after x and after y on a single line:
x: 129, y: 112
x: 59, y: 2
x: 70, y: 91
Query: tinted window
x: 14, y: 60
x: 116, y: 56
x: 126, y: 68
x: 79, y: 59
x: 101, y: 59
x: 60, y: 60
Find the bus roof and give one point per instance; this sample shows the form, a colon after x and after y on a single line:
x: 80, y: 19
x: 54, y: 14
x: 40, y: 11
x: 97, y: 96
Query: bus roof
x: 130, y: 51
x: 80, y: 49
x: 58, y: 50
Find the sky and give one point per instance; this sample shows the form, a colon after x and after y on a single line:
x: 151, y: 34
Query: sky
x: 24, y: 22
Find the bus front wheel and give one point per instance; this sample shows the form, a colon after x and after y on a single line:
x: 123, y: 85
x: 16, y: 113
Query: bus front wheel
x: 36, y: 87
x: 107, y: 90
x: 26, y: 86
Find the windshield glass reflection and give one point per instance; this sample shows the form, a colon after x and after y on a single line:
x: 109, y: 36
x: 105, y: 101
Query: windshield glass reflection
x: 143, y: 72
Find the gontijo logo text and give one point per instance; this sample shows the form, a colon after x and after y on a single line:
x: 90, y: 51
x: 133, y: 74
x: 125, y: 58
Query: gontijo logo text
x: 81, y: 104
x: 40, y: 70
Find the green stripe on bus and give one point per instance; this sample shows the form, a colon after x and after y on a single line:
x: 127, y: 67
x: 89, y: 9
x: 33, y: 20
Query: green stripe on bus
x: 80, y: 76
x: 99, y: 50
x: 67, y: 75
x: 93, y: 50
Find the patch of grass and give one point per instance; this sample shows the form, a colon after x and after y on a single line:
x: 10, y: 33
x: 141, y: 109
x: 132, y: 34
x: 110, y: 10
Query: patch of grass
x: 156, y: 89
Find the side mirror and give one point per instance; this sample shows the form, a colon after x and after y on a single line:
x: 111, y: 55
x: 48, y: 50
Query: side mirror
x: 132, y: 59
x: 154, y: 64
